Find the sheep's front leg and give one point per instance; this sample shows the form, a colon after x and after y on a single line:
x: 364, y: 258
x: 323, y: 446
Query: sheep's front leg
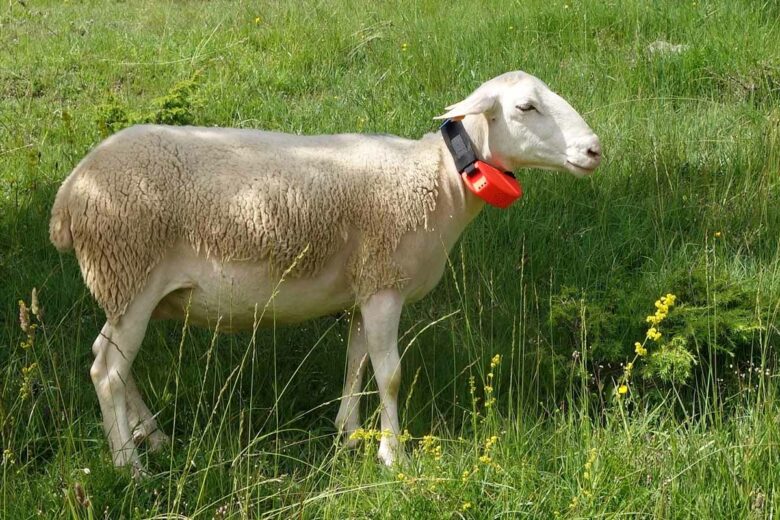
x: 381, y: 314
x: 348, y: 418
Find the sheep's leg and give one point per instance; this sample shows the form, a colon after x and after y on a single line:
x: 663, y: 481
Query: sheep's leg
x: 99, y: 374
x: 348, y: 418
x: 113, y: 354
x: 381, y: 314
x: 141, y: 419
x: 115, y: 349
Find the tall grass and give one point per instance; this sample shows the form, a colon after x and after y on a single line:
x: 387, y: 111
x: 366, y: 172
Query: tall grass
x: 690, y: 184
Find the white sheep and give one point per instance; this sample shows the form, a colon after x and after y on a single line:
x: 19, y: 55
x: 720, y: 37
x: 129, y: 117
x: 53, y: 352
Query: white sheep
x: 216, y: 222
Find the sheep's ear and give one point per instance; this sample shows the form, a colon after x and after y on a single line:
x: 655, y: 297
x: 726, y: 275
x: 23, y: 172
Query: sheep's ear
x: 481, y: 101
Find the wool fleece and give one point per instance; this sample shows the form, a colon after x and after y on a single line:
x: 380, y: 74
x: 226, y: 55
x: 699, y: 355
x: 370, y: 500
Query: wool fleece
x: 236, y: 194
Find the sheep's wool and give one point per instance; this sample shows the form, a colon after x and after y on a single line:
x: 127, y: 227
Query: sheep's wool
x: 242, y: 195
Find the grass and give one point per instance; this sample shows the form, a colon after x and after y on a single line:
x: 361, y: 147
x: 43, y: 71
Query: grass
x: 690, y: 183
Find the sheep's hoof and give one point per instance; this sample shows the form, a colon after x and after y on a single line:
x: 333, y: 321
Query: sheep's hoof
x: 124, y: 457
x: 156, y: 441
x: 139, y: 471
x: 389, y: 453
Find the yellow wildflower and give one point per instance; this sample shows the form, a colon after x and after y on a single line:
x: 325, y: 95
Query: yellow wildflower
x: 495, y: 361
x: 25, y: 390
x: 365, y: 435
x: 466, y: 506
x: 623, y: 389
x: 639, y: 349
x: 653, y: 334
x: 430, y: 445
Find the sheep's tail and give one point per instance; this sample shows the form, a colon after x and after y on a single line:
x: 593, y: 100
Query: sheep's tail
x: 59, y: 225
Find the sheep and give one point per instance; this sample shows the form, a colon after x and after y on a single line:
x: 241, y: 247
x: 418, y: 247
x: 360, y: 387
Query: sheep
x: 213, y: 223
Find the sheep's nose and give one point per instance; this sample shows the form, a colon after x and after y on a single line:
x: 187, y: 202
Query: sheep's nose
x: 593, y: 151
x: 585, y: 153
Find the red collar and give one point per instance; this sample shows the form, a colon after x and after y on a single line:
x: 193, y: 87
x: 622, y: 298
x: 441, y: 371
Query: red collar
x: 496, y: 187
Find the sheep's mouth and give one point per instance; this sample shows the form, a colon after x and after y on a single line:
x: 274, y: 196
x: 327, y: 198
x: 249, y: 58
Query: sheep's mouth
x: 579, y: 170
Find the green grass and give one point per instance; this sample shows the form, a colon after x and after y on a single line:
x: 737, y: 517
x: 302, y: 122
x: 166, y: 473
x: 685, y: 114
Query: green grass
x: 692, y: 146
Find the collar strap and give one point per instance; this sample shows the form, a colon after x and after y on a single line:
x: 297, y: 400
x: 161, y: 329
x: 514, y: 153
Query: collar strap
x: 496, y: 187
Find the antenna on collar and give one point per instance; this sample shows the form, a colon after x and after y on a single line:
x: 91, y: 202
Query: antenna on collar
x: 459, y: 144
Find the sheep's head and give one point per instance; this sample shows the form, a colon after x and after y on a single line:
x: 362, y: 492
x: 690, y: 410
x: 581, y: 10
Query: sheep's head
x: 528, y: 126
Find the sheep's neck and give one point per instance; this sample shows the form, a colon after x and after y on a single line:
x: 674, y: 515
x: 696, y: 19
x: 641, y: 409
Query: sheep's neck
x: 476, y: 127
x: 460, y: 206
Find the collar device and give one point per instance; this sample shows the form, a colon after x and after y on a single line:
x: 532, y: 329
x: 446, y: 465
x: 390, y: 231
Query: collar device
x: 496, y: 187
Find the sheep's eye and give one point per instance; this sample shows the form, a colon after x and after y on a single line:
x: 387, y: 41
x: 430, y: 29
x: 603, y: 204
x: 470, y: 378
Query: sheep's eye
x: 527, y: 107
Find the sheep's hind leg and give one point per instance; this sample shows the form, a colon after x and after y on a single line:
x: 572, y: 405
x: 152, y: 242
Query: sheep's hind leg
x: 142, y: 421
x: 111, y: 398
x: 348, y: 417
x: 115, y: 349
x: 381, y: 314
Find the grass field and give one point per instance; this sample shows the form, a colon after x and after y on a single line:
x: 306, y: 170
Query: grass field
x: 687, y: 201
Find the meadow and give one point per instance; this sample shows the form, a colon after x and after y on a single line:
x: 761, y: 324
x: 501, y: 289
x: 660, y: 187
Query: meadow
x: 524, y: 394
